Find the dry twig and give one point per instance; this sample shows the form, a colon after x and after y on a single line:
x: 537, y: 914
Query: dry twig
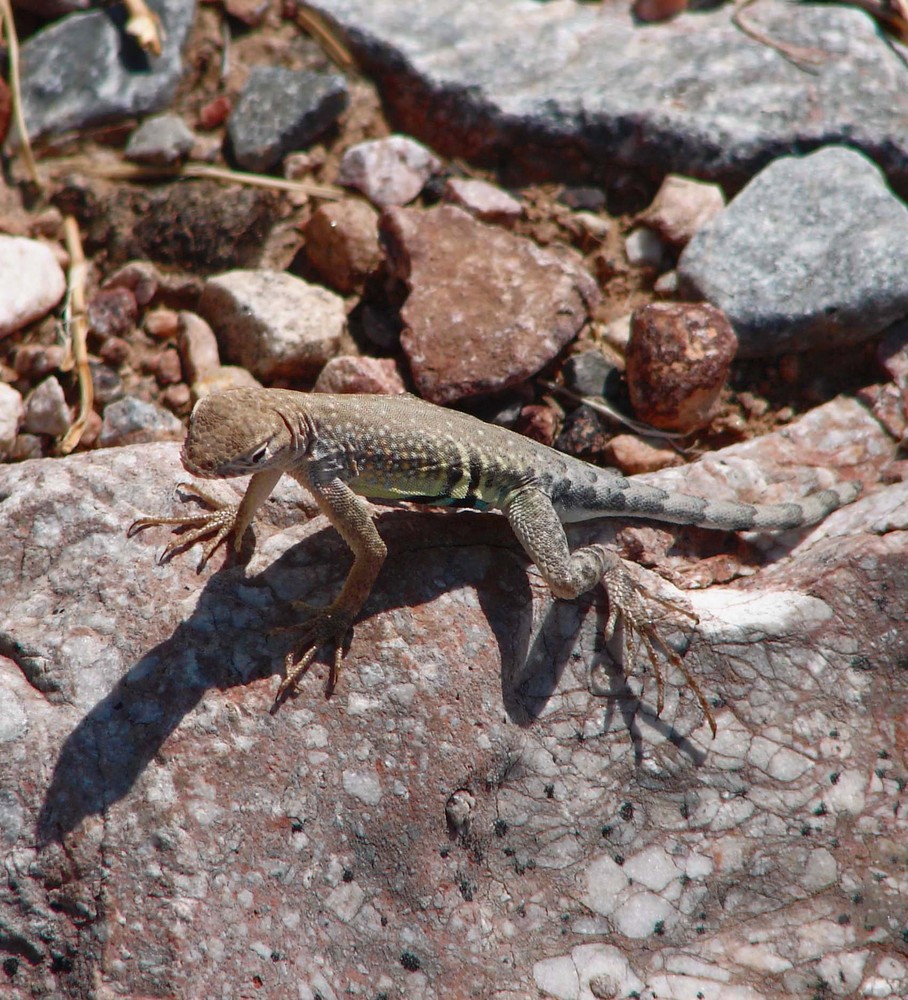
x: 6, y: 16
x: 75, y: 324
x: 140, y: 172
x: 144, y: 26
x: 314, y: 25
x: 805, y: 58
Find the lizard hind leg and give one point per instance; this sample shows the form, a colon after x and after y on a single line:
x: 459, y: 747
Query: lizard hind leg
x: 539, y: 530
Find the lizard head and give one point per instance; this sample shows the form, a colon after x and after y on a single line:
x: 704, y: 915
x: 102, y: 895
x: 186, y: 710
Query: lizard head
x: 238, y: 432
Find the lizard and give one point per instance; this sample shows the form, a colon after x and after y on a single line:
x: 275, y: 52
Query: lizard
x: 348, y: 449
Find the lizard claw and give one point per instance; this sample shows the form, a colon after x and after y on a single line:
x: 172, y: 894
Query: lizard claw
x: 625, y: 601
x: 217, y: 523
x: 327, y: 626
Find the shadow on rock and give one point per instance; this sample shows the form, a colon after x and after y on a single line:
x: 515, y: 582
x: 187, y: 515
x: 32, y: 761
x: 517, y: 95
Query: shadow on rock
x: 226, y: 643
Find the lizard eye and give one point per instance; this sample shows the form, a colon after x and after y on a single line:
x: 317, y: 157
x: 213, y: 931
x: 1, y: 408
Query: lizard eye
x: 260, y: 454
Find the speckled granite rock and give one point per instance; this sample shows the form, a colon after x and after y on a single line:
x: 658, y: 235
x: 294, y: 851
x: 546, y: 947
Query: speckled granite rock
x: 482, y: 808
x: 569, y: 90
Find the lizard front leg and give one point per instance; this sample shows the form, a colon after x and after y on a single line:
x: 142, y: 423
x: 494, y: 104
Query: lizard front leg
x: 219, y: 522
x: 568, y: 575
x: 352, y: 518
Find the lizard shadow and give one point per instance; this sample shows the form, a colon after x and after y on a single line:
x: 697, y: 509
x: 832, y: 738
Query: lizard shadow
x: 221, y: 645
x: 539, y: 673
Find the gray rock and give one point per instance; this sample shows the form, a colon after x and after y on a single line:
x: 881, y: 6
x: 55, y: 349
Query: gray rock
x: 84, y: 69
x: 46, y: 411
x: 163, y: 835
x: 810, y: 254
x: 566, y: 90
x: 281, y: 110
x: 160, y: 141
x: 587, y: 373
x: 131, y: 420
x: 644, y: 248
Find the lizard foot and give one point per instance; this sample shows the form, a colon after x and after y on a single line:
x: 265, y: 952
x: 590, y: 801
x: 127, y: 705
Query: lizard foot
x: 625, y: 600
x: 217, y: 522
x: 327, y: 626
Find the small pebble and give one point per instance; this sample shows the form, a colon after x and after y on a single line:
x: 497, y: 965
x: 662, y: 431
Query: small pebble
x: 644, y: 248
x: 34, y: 361
x: 46, y: 411
x: 389, y: 171
x: 141, y: 277
x: 91, y: 432
x: 177, y: 398
x: 160, y: 141
x: 214, y: 114
x: 12, y: 413
x: 198, y: 347
x: 681, y: 207
x: 360, y: 374
x: 483, y: 200
x: 112, y: 312
x: 586, y: 373
x: 168, y: 370
x: 596, y: 226
x: 133, y: 421
x: 162, y: 324
x: 27, y: 446
x: 225, y: 377
x: 114, y: 351
x: 666, y: 285
x: 280, y: 110
x: 107, y: 384
x: 342, y: 243
x: 539, y: 422
x: 635, y: 455
x: 32, y: 281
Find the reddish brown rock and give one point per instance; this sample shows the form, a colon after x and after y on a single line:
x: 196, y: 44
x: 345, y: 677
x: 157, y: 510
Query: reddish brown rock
x: 538, y: 422
x: 198, y: 347
x: 481, y: 765
x: 486, y: 309
x: 342, y: 243
x: 34, y: 361
x: 141, y: 277
x: 360, y: 374
x: 162, y: 324
x: 632, y: 454
x: 112, y: 312
x: 167, y: 369
x: 677, y: 362
x: 213, y: 114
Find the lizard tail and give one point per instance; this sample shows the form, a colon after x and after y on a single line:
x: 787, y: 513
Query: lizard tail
x: 731, y: 515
